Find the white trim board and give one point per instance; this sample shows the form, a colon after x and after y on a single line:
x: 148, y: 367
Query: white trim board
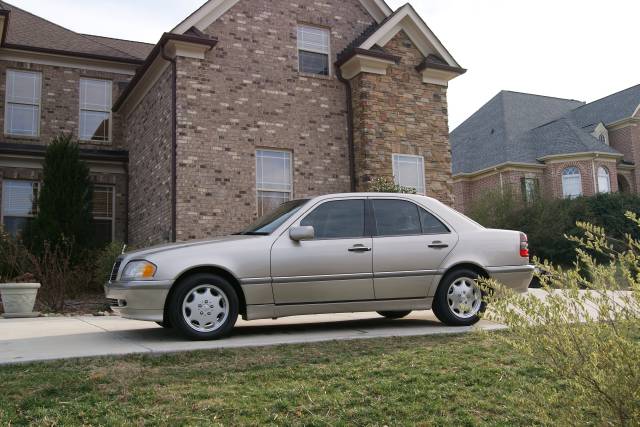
x: 420, y: 34
x: 212, y: 10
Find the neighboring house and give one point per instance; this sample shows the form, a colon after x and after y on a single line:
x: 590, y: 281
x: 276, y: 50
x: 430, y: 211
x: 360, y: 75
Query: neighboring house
x: 244, y: 105
x: 539, y: 146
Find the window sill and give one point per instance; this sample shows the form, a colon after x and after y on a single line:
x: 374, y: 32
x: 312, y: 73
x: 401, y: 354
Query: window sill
x: 90, y: 142
x: 315, y: 76
x: 22, y: 137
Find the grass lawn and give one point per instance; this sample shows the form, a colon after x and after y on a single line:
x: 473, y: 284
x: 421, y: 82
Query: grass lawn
x: 447, y: 380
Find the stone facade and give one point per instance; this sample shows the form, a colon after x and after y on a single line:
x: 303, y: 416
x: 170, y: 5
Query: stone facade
x: 397, y: 113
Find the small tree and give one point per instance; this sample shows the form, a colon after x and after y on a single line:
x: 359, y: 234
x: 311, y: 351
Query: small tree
x: 386, y: 185
x: 64, y: 204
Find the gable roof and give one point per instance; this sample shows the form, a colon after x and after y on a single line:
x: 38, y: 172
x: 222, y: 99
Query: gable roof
x: 407, y: 19
x: 608, y: 110
x: 210, y: 11
x: 27, y: 31
x: 137, y: 49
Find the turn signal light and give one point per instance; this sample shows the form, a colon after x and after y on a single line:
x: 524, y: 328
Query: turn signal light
x: 524, y: 245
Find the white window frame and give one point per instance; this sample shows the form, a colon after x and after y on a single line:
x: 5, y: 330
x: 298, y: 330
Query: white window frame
x: 37, y: 103
x: 107, y: 110
x: 397, y: 158
x: 259, y: 182
x: 312, y: 50
x: 35, y: 184
x: 113, y: 209
x: 607, y: 177
x: 565, y: 181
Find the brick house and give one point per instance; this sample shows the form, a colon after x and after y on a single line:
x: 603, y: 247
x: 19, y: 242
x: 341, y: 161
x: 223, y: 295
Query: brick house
x: 243, y: 105
x: 539, y: 146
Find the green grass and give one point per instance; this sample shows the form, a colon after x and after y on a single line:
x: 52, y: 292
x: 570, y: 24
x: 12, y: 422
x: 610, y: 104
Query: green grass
x: 462, y: 380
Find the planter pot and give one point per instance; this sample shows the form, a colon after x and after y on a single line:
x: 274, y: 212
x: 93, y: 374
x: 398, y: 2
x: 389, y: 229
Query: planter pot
x: 18, y: 299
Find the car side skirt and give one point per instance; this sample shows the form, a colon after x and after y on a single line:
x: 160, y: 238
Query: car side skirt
x: 272, y: 311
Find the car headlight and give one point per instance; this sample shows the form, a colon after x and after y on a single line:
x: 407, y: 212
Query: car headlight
x: 138, y: 270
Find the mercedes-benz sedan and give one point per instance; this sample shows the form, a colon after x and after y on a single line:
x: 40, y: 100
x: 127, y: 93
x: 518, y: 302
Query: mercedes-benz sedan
x: 388, y: 253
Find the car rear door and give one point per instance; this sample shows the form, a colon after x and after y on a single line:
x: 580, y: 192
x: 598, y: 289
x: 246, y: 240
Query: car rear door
x: 409, y: 245
x: 334, y: 267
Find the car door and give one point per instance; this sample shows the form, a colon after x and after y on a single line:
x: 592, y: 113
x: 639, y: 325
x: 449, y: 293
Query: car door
x: 334, y: 267
x: 409, y: 245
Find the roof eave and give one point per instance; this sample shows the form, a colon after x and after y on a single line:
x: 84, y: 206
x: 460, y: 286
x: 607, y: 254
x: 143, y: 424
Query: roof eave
x: 131, y: 61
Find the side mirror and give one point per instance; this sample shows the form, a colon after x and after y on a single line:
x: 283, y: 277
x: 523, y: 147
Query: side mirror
x: 299, y: 234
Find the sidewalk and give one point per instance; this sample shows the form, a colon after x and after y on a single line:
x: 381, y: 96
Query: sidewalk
x: 50, y: 338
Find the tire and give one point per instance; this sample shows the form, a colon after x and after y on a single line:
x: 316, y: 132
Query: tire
x: 394, y: 314
x: 204, y: 307
x: 458, y: 300
x: 165, y: 324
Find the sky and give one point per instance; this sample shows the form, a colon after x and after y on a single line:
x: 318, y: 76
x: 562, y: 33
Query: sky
x: 577, y: 49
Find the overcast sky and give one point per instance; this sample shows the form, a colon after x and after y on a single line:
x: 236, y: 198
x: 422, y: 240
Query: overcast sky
x: 579, y: 49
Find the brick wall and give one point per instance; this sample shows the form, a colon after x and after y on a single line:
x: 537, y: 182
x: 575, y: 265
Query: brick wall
x: 60, y: 102
x: 627, y: 141
x: 553, y: 176
x: 148, y: 137
x: 248, y: 94
x: 398, y: 113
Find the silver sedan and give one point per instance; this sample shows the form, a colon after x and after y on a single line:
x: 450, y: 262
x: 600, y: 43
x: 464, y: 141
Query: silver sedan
x: 389, y: 253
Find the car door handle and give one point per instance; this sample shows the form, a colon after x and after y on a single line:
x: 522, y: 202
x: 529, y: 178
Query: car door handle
x: 360, y: 248
x: 438, y: 245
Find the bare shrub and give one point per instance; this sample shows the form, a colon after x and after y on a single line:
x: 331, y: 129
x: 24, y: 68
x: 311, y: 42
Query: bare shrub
x: 585, y: 331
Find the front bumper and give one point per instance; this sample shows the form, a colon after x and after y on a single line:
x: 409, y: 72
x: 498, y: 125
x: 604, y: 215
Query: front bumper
x: 142, y: 300
x: 517, y: 278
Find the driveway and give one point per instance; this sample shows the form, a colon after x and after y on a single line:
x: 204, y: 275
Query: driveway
x: 28, y: 340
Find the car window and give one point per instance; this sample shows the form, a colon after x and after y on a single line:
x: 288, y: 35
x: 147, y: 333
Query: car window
x: 431, y: 224
x: 396, y: 218
x: 337, y: 220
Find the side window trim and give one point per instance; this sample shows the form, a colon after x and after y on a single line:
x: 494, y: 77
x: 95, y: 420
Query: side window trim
x: 374, y: 228
x: 313, y: 208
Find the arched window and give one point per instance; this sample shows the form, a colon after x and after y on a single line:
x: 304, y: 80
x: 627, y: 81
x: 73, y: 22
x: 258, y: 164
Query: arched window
x: 571, y: 182
x: 604, y: 182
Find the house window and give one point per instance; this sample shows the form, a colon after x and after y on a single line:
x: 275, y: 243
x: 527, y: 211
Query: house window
x: 19, y: 204
x: 571, y: 182
x: 103, y: 214
x: 408, y: 171
x: 95, y: 110
x: 530, y: 188
x: 604, y: 182
x: 313, y: 50
x: 22, y: 108
x: 274, y: 180
x: 603, y: 139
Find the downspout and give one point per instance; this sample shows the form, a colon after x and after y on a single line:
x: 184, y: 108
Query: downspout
x: 350, y: 130
x: 174, y: 143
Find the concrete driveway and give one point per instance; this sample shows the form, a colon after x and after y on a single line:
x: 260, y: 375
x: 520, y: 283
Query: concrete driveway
x: 50, y: 338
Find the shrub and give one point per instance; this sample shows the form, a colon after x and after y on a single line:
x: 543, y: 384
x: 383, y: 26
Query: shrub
x: 386, y: 185
x: 64, y: 204
x: 585, y: 332
x: 546, y: 221
x: 13, y: 257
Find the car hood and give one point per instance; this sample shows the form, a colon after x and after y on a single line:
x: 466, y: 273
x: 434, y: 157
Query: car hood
x: 180, y: 245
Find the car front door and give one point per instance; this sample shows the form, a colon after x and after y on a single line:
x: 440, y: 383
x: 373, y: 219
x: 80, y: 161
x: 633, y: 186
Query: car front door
x: 336, y: 266
x: 409, y: 245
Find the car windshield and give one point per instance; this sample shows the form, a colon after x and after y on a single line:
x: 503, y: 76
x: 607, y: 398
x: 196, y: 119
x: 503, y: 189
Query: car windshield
x: 271, y: 221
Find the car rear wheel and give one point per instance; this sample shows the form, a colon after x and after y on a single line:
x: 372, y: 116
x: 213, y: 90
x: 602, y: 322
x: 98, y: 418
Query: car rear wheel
x: 394, y: 314
x: 458, y: 300
x: 204, y: 307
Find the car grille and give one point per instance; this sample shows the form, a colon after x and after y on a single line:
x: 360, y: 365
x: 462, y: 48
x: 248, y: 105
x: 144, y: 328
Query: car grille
x: 112, y: 302
x: 114, y: 271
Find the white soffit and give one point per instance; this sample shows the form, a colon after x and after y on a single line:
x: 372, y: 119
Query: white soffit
x: 212, y: 10
x: 420, y: 34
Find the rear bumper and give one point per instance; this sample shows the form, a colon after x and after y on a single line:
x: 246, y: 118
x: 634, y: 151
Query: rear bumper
x: 139, y: 300
x: 517, y: 277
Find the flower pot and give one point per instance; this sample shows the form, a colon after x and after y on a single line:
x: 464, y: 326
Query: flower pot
x: 18, y: 299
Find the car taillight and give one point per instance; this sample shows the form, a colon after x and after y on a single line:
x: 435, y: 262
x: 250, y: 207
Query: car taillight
x: 524, y: 245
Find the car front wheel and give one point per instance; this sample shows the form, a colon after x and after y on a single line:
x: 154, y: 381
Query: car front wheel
x: 458, y: 300
x: 204, y: 307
